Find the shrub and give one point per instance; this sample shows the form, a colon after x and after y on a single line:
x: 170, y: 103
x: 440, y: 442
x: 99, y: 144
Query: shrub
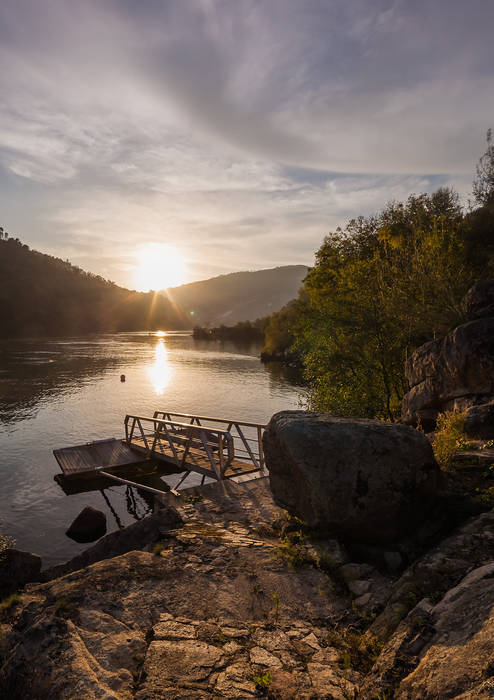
x: 449, y: 437
x: 262, y: 682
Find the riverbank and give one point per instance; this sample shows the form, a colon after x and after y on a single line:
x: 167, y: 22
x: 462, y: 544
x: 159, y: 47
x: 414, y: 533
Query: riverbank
x: 220, y: 594
x: 60, y: 393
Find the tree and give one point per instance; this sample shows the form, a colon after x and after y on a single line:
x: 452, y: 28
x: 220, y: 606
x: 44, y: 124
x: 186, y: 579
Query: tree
x: 379, y: 288
x: 483, y: 184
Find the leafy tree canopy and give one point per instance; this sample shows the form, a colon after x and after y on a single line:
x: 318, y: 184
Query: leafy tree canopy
x: 379, y: 288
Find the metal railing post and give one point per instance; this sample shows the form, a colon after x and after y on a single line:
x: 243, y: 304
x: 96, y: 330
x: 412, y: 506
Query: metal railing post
x: 261, y: 451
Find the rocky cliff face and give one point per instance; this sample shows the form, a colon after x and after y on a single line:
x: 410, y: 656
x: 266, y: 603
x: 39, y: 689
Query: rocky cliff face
x: 456, y: 373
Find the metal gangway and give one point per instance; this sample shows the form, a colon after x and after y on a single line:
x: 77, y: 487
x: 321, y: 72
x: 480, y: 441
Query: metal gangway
x: 218, y: 448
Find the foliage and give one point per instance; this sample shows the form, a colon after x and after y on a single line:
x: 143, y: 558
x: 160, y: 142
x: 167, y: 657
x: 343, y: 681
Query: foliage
x: 379, y: 288
x: 483, y: 185
x: 263, y: 682
x: 244, y: 331
x: 281, y: 330
x: 449, y: 437
x: 291, y: 554
x: 358, y: 650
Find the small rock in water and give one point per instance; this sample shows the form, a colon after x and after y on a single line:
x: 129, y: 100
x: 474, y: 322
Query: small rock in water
x: 89, y: 525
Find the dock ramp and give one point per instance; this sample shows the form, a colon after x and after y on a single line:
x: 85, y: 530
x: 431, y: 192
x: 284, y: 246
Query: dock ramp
x: 213, y: 447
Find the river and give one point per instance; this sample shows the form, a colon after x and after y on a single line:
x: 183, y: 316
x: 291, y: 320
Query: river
x: 61, y: 392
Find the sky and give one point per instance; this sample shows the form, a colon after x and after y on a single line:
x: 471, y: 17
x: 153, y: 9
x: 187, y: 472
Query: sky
x: 236, y: 133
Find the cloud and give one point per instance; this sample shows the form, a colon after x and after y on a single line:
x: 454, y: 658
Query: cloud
x: 239, y: 132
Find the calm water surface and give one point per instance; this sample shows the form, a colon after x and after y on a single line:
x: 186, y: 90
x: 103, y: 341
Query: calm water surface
x: 57, y: 393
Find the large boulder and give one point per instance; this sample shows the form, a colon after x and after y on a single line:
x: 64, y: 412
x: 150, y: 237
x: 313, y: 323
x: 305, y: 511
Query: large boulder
x: 89, y: 525
x: 364, y: 479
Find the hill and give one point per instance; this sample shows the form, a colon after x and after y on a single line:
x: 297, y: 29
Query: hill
x: 43, y: 295
x: 238, y: 296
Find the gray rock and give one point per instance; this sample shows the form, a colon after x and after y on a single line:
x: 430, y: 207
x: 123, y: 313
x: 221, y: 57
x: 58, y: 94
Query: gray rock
x: 439, y: 568
x: 457, y: 661
x: 89, y: 525
x: 18, y: 568
x: 366, y: 480
x: 456, y: 372
x: 142, y: 626
x: 452, y: 373
x: 394, y: 560
x: 358, y: 588
x: 135, y: 536
x: 354, y: 571
x: 478, y: 302
x: 429, y: 646
x: 423, y: 362
x: 479, y: 423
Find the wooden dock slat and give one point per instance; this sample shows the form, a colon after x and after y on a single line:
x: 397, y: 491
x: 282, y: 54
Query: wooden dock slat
x: 95, y: 456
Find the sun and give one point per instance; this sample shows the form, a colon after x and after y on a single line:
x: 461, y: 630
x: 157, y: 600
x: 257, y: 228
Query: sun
x: 159, y: 266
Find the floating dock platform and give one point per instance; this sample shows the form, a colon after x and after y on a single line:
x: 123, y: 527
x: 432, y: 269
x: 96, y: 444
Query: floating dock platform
x: 96, y: 456
x: 213, y: 447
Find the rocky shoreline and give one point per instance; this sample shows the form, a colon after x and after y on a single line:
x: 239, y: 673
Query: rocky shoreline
x: 222, y: 594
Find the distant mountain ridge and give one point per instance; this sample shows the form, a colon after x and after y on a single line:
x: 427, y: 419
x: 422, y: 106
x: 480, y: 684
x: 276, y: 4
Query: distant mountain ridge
x: 238, y: 296
x: 41, y: 295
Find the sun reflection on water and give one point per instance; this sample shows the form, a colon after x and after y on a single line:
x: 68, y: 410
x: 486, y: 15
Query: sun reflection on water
x: 160, y: 371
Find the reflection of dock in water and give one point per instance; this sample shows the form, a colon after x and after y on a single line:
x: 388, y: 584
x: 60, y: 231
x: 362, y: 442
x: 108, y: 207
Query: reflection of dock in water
x: 167, y: 443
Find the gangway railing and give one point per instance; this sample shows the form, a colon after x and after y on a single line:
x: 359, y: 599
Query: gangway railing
x: 247, y: 436
x: 205, y: 449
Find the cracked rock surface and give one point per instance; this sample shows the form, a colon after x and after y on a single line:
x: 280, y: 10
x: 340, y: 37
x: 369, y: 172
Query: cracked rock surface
x: 210, y: 603
x: 203, y: 615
